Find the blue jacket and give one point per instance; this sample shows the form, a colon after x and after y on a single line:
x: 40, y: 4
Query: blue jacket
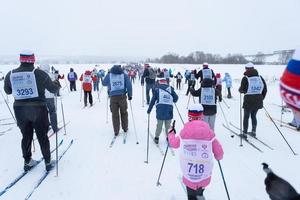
x: 227, y: 79
x: 116, y: 69
x: 163, y: 111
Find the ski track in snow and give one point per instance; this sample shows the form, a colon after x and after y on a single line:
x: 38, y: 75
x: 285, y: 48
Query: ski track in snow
x: 92, y: 170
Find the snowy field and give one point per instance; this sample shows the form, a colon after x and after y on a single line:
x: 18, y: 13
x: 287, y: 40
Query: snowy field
x: 91, y: 170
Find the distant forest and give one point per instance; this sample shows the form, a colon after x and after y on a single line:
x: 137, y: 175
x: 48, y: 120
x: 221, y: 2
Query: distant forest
x: 199, y: 57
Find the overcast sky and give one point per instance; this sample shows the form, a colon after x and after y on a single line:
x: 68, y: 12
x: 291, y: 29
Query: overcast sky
x: 148, y: 28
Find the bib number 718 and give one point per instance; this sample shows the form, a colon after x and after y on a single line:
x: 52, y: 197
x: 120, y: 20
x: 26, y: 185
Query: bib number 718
x: 196, y: 168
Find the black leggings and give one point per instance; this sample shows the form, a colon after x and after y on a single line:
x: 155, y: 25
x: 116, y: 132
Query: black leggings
x: 192, y: 194
x: 247, y: 114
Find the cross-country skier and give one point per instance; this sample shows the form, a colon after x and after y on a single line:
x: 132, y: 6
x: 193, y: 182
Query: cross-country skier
x: 87, y: 80
x: 191, y: 81
x: 178, y: 80
x: 206, y: 72
x: 72, y: 78
x: 96, y: 80
x: 219, y: 82
x: 148, y: 76
x: 208, y: 98
x: 119, y: 85
x: 255, y: 89
x: 290, y: 85
x: 228, y: 81
x: 57, y: 77
x: 28, y: 85
x: 163, y: 96
x: 198, y: 145
x: 50, y: 101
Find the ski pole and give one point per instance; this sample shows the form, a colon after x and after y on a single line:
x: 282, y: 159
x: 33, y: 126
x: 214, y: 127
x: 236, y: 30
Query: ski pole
x: 163, y: 163
x: 143, y: 95
x: 81, y: 92
x: 63, y: 114
x: 241, y: 127
x: 67, y: 85
x: 148, y: 133
x: 8, y: 106
x: 225, y: 103
x: 56, y: 138
x: 232, y: 135
x: 281, y: 113
x: 137, y: 141
x: 279, y: 131
x: 107, y: 109
x: 187, y: 107
x: 179, y: 113
x: 224, y: 180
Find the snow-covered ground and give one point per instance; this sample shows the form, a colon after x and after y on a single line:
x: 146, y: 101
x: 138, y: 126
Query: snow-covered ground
x: 92, y: 170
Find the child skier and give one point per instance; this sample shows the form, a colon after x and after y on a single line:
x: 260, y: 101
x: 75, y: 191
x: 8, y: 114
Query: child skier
x: 290, y: 85
x: 164, y: 96
x: 87, y: 80
x: 197, y: 145
x: 228, y: 81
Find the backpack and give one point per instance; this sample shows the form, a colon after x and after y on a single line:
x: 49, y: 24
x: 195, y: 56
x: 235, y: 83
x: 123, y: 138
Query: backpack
x: 152, y: 74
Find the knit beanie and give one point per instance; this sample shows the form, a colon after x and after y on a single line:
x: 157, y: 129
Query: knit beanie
x: 249, y: 65
x: 290, y: 82
x: 205, y: 65
x: 27, y: 57
x: 195, y: 112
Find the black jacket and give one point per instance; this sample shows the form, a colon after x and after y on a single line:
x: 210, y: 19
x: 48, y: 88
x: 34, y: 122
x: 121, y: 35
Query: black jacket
x: 200, y: 75
x: 145, y: 77
x: 252, y: 102
x: 207, y: 109
x: 43, y: 82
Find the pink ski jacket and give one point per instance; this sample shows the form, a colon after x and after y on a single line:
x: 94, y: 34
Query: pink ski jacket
x: 197, y: 130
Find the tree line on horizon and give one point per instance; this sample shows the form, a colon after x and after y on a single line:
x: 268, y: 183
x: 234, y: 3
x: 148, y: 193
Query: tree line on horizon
x: 199, y: 57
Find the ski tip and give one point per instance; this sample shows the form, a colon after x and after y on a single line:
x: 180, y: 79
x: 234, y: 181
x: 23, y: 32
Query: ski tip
x: 61, y: 142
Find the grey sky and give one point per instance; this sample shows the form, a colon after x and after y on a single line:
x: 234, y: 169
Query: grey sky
x: 147, y: 28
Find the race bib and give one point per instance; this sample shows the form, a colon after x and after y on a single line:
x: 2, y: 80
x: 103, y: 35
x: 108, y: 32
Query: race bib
x: 72, y: 75
x: 208, y: 96
x: 117, y: 82
x: 192, y: 77
x: 23, y: 85
x: 87, y: 78
x: 255, y: 85
x: 196, y: 159
x: 165, y: 97
x: 207, y: 73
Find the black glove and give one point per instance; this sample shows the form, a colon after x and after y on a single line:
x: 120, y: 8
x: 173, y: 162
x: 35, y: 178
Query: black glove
x: 172, y: 128
x: 129, y: 98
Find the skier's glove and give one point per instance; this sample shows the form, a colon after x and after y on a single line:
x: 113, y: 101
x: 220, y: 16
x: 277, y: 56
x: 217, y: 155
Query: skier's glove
x: 129, y: 98
x: 172, y: 130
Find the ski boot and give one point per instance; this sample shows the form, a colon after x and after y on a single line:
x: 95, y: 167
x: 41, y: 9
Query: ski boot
x: 30, y: 164
x: 156, y: 139
x: 244, y: 135
x: 253, y: 134
x: 49, y: 165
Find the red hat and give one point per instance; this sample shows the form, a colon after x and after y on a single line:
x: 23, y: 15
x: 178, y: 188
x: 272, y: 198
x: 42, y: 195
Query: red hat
x: 27, y: 57
x: 218, y: 75
x: 290, y: 82
x: 87, y: 72
x: 162, y: 80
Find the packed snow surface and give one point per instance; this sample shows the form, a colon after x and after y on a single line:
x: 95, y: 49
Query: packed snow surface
x: 92, y: 170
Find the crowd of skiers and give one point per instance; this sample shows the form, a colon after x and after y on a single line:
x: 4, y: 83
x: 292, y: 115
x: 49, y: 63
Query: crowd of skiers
x: 34, y: 90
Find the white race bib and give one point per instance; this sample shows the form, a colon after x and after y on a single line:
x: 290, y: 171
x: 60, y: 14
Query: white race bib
x: 165, y: 97
x: 208, y: 96
x: 87, y: 78
x: 193, y: 77
x: 71, y: 75
x: 219, y: 81
x: 207, y: 73
x: 196, y: 159
x: 255, y: 85
x: 117, y: 82
x: 23, y: 85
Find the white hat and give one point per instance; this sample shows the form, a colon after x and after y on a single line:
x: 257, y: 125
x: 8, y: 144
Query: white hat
x: 249, y: 65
